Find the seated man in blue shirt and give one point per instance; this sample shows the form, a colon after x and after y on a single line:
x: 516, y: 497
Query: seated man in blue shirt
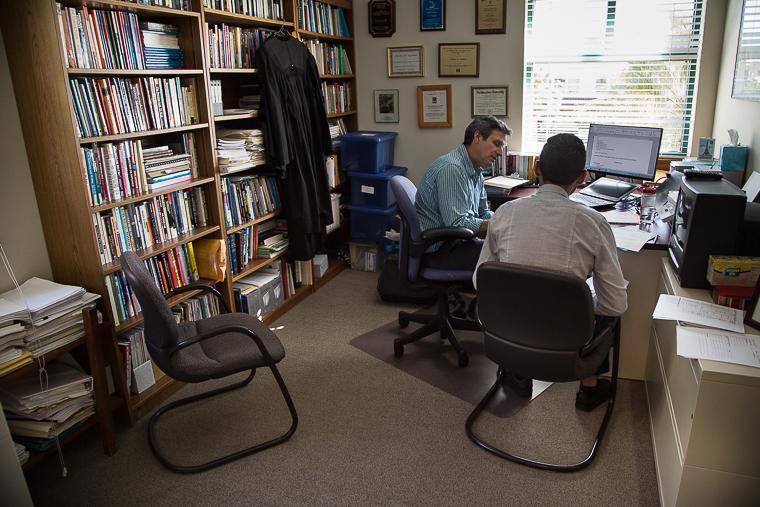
x: 451, y: 193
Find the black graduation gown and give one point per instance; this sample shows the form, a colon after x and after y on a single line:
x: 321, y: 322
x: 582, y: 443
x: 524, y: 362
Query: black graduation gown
x: 297, y: 139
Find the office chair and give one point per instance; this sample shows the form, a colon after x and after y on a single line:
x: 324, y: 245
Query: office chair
x: 211, y: 348
x: 412, y: 249
x: 540, y: 324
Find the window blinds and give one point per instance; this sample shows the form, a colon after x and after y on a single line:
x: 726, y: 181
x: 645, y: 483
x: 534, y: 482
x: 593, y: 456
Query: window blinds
x: 624, y: 62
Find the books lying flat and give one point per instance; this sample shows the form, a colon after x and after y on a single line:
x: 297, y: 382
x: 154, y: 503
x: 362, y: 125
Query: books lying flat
x: 505, y: 182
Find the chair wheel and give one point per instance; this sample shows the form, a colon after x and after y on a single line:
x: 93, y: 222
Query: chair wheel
x: 464, y: 360
x: 398, y: 350
x: 403, y: 321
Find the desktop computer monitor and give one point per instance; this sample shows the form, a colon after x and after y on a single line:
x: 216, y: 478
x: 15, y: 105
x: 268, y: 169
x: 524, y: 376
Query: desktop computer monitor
x: 629, y: 152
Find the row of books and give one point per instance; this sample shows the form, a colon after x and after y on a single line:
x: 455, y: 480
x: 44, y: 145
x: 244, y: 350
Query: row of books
x: 330, y: 58
x: 239, y: 149
x: 270, y: 9
x: 234, y: 47
x: 142, y: 225
x: 337, y: 127
x: 337, y: 96
x: 248, y: 197
x: 518, y: 164
x: 319, y: 17
x: 126, y: 169
x: 161, y: 46
x: 183, y: 5
x: 105, y: 106
x: 170, y: 270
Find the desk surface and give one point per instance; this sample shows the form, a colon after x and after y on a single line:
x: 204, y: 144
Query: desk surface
x: 498, y: 196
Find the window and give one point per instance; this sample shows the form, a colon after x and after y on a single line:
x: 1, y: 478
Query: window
x: 624, y: 62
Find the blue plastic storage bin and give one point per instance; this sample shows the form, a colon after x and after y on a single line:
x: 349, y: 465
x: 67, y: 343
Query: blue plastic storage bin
x: 370, y: 224
x: 374, y: 189
x: 367, y: 152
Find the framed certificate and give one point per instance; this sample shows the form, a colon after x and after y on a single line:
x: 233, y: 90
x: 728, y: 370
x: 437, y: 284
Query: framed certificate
x: 459, y: 60
x: 432, y: 15
x: 386, y: 106
x: 405, y: 61
x: 382, y: 18
x: 490, y: 101
x: 434, y: 106
x: 490, y: 16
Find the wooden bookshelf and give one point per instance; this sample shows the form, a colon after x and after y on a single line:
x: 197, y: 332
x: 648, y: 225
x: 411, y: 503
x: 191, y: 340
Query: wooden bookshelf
x: 48, y: 112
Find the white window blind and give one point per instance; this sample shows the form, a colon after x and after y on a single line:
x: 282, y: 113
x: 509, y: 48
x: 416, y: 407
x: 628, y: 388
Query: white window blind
x: 624, y: 62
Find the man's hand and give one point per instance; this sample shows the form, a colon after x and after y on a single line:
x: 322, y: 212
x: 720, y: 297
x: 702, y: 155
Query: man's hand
x: 482, y: 230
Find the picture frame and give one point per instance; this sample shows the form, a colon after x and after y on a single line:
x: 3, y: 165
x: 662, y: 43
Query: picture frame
x: 434, y: 106
x: 490, y: 101
x: 432, y: 15
x: 746, y: 84
x: 490, y: 17
x: 459, y: 59
x: 381, y: 16
x: 406, y: 61
x: 386, y: 106
x: 752, y: 317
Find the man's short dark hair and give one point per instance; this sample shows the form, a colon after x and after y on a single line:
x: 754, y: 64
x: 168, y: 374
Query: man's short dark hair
x: 484, y: 125
x: 562, y: 159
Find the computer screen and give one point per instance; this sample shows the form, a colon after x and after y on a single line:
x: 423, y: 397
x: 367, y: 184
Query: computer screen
x: 630, y: 152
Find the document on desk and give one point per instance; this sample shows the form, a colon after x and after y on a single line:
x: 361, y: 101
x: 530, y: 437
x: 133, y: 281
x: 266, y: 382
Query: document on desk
x: 621, y: 217
x: 718, y: 345
x: 631, y: 238
x: 505, y: 182
x: 699, y: 313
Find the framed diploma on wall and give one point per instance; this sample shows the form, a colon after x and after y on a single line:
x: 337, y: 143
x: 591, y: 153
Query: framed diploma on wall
x: 490, y: 101
x: 459, y: 60
x: 405, y: 61
x: 432, y: 15
x: 490, y: 16
x: 434, y: 106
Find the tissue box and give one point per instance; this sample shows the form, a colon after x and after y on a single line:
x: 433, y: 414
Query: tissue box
x: 733, y: 158
x: 734, y: 271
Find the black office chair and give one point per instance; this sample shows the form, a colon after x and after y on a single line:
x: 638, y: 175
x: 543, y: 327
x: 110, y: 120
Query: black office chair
x: 211, y: 348
x: 445, y: 282
x: 540, y: 324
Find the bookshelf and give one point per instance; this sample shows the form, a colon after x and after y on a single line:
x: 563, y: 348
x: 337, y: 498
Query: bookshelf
x: 57, y: 95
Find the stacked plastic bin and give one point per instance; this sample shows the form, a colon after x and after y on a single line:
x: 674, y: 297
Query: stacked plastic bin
x: 368, y: 159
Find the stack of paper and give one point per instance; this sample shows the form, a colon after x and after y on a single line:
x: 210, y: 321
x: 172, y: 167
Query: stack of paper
x: 709, y: 331
x: 38, y: 318
x: 43, y: 408
x: 21, y: 453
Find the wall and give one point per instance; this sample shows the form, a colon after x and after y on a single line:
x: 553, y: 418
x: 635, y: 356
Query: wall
x: 742, y: 115
x: 20, y: 227
x: 501, y: 63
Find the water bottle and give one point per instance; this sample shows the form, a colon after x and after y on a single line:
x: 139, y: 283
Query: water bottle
x: 647, y: 210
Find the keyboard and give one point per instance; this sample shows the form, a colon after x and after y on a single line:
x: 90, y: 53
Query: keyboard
x: 590, y: 201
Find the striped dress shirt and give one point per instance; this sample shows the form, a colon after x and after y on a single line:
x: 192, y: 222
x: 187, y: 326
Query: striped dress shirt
x: 451, y: 194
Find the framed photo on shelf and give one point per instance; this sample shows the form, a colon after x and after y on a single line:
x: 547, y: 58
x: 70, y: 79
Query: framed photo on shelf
x: 405, y: 61
x: 434, y: 106
x: 432, y: 15
x: 459, y: 60
x: 490, y: 16
x: 386, y: 106
x: 490, y: 101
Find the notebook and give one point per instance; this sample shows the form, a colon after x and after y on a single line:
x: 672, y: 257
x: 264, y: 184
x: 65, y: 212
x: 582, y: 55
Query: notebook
x: 603, y: 192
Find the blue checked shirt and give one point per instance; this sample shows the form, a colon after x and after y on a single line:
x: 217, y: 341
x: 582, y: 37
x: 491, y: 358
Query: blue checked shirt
x: 451, y: 194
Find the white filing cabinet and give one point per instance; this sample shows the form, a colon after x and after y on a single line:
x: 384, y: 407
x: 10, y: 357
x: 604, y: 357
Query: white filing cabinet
x: 705, y: 419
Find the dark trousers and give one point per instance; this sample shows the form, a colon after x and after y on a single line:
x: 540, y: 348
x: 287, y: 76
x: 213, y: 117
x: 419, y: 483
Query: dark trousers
x: 458, y: 254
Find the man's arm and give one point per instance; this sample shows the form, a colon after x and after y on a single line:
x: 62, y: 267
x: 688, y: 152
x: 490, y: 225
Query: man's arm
x: 609, y: 284
x: 489, y: 252
x: 483, y: 211
x: 454, y: 199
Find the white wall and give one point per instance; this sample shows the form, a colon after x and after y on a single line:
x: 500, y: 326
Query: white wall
x: 20, y: 227
x: 501, y: 63
x: 742, y: 115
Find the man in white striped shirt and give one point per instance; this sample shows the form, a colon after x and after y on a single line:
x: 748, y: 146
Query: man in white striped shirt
x: 451, y: 193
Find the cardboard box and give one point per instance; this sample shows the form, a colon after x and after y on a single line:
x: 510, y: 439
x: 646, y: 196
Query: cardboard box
x: 366, y: 256
x: 734, y: 271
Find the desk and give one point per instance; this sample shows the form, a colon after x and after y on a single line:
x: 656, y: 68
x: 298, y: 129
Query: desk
x: 704, y: 418
x: 641, y: 269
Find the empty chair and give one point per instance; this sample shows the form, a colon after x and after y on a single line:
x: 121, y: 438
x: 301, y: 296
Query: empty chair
x: 413, y: 246
x: 196, y: 351
x: 540, y: 324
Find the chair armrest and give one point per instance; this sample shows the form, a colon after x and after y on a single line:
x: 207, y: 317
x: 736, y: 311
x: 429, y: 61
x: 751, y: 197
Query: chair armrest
x: 201, y: 287
x: 611, y: 327
x: 443, y: 233
x: 235, y: 328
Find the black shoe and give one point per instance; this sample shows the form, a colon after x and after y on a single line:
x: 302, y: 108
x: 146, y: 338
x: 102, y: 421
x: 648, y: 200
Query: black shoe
x: 588, y: 398
x: 522, y: 386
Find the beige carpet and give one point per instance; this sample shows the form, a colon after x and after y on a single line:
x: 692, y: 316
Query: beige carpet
x: 369, y: 434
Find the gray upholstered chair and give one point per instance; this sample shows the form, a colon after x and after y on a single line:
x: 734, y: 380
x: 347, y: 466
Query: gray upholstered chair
x: 540, y: 324
x: 211, y: 348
